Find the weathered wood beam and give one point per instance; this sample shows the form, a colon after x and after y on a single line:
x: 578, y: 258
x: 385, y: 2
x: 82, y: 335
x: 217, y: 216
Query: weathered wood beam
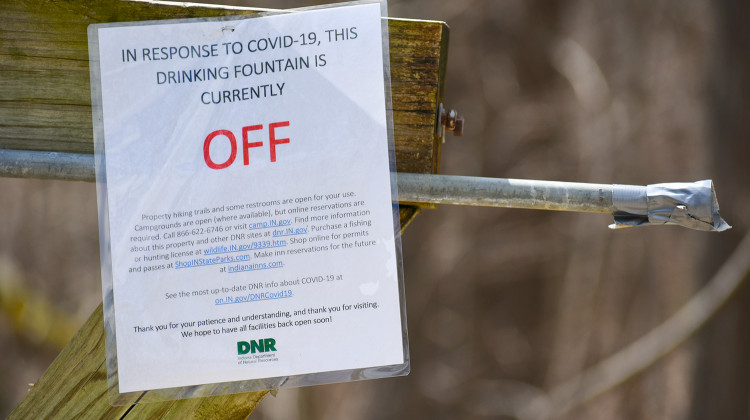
x: 45, y: 97
x: 45, y: 105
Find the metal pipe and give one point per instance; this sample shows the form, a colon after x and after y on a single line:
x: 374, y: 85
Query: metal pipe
x: 47, y: 165
x: 691, y: 205
x: 412, y: 188
x: 501, y: 192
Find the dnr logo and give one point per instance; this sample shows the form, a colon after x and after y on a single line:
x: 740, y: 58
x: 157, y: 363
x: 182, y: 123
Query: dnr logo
x: 261, y: 346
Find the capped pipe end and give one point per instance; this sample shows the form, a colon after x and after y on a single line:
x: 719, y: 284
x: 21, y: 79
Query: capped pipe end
x: 691, y: 205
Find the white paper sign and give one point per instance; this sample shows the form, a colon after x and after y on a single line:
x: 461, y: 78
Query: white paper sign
x: 249, y: 198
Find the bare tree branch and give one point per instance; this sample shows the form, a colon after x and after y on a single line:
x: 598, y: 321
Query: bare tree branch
x: 644, y: 352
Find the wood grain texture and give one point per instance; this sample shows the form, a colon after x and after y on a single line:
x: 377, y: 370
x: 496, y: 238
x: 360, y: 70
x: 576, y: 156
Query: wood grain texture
x: 45, y: 99
x: 75, y: 387
x: 45, y: 105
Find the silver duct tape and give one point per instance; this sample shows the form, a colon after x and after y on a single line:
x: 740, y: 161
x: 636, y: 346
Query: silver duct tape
x: 629, y: 205
x: 692, y: 205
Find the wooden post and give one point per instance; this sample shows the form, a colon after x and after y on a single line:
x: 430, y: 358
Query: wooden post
x: 45, y: 104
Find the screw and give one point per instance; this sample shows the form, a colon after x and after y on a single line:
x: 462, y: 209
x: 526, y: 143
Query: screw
x: 452, y: 121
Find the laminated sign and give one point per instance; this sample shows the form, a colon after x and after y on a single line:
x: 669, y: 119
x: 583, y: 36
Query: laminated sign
x: 246, y: 202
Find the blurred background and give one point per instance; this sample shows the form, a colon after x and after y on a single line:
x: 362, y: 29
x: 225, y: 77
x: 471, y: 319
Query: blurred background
x: 506, y: 308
